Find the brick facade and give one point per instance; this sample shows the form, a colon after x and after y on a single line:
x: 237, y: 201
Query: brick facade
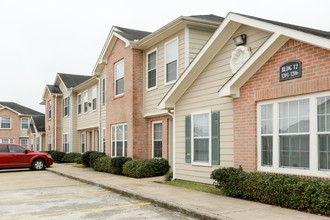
x: 265, y: 85
x: 14, y: 131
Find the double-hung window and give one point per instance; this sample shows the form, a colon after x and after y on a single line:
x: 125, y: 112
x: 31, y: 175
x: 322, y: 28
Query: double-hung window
x: 49, y: 109
x: 24, y: 123
x: 66, y: 106
x: 119, y: 140
x: 294, y: 135
x: 38, y: 143
x: 157, y: 139
x: 24, y: 142
x: 5, y: 122
x: 79, y: 104
x: 103, y: 91
x: 152, y: 69
x: 83, y: 147
x: 119, y: 78
x: 103, y: 139
x: 94, y: 95
x: 85, y: 97
x: 66, y: 143
x: 49, y: 142
x: 171, y: 61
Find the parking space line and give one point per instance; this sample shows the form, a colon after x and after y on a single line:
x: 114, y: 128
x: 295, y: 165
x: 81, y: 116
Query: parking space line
x: 53, y: 196
x: 77, y: 211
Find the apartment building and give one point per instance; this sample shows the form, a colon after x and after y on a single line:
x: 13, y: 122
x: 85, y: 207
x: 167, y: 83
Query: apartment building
x: 15, y: 122
x: 37, y: 133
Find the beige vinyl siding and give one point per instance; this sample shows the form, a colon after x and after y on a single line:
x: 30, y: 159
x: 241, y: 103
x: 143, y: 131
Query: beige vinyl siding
x: 153, y: 97
x: 66, y: 121
x: 74, y: 144
x: 197, y: 40
x: 203, y: 95
x: 89, y: 119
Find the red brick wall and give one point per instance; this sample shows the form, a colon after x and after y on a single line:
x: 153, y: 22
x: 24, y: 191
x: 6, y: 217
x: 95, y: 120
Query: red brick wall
x: 129, y: 107
x: 265, y: 85
x: 14, y: 131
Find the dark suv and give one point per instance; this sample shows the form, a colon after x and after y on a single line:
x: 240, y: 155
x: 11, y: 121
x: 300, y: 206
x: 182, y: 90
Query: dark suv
x: 16, y: 156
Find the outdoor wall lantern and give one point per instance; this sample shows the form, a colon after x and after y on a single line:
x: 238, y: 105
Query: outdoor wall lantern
x: 240, y: 40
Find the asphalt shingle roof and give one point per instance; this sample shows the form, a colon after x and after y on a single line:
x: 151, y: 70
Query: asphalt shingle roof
x: 73, y: 80
x: 131, y: 34
x: 54, y: 89
x: 39, y: 121
x: 20, y: 109
x: 210, y: 17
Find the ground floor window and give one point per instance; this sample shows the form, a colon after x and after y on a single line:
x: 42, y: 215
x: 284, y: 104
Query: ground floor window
x: 38, y: 144
x: 83, y: 142
x: 119, y: 140
x: 294, y: 134
x: 103, y: 139
x: 66, y: 144
x: 157, y: 139
x: 24, y: 142
x: 49, y: 142
x: 7, y: 141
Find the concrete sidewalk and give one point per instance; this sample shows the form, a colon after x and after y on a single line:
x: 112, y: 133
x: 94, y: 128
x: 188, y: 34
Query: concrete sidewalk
x: 192, y: 203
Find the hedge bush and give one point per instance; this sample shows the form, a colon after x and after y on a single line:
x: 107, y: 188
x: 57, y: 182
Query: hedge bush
x: 103, y: 164
x: 85, y: 158
x: 311, y: 195
x: 117, y: 163
x: 71, y: 157
x: 146, y: 168
x: 56, y: 155
x: 94, y: 156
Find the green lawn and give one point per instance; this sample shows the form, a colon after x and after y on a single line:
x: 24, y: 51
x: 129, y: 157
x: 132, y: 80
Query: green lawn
x: 194, y: 186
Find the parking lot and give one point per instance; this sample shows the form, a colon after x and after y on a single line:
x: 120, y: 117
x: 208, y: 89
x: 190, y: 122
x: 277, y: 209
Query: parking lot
x: 29, y: 194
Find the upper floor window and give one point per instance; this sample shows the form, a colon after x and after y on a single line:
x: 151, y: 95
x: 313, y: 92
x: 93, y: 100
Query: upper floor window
x: 171, y: 61
x: 85, y: 96
x: 79, y: 104
x: 119, y: 78
x: 152, y: 69
x: 24, y: 123
x: 5, y: 122
x: 49, y: 109
x: 103, y: 91
x: 66, y: 106
x: 94, y: 95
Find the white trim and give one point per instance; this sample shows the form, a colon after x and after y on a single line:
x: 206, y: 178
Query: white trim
x: 209, y: 137
x: 67, y: 141
x: 10, y: 121
x: 313, y: 145
x: 147, y: 70
x: 24, y: 139
x: 82, y: 141
x: 114, y: 153
x: 104, y: 133
x: 94, y: 96
x: 152, y: 137
x: 28, y: 122
x: 81, y: 104
x: 177, y: 61
x: 174, y: 144
x: 84, y: 101
x: 68, y: 107
x: 114, y: 81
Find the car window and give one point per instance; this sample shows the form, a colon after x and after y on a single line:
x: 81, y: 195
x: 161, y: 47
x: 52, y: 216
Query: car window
x: 3, y: 149
x: 16, y: 149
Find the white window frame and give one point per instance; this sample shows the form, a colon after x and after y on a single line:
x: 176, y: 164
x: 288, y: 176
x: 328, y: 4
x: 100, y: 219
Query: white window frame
x: 49, y: 142
x: 38, y: 143
x: 313, y: 169
x: 121, y: 62
x: 49, y: 109
x: 65, y: 141
x: 209, y: 163
x: 113, y: 128
x: 153, y: 137
x: 94, y: 98
x: 85, y: 102
x: 27, y: 142
x: 10, y: 122
x: 165, y: 61
x: 66, y: 105
x: 104, y: 134
x: 79, y: 103
x: 7, y: 141
x: 28, y: 121
x: 104, y: 92
x: 83, y: 142
x: 147, y: 70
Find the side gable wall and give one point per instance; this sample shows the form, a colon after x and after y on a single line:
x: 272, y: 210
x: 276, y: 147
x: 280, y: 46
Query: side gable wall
x: 14, y: 131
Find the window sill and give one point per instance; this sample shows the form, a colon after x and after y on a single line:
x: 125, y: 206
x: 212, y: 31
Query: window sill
x: 201, y: 164
x: 118, y: 96
x: 169, y: 83
x: 151, y: 89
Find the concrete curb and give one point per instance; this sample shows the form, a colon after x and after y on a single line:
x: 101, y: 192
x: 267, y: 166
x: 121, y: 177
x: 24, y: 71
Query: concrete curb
x: 158, y: 202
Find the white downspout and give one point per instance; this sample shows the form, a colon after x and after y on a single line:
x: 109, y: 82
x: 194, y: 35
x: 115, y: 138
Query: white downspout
x: 173, y: 141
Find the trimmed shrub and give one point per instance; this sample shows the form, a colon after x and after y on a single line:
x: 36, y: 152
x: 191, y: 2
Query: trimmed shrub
x: 168, y: 176
x: 103, y: 164
x: 311, y: 195
x: 57, y: 155
x: 85, y: 158
x: 146, y: 168
x: 71, y: 157
x: 116, y: 164
x: 94, y: 156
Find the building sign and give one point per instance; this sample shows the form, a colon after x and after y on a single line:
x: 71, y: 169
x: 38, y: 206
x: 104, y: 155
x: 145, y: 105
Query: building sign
x: 290, y: 70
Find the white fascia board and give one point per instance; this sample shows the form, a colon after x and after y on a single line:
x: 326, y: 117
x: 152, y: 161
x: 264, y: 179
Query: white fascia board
x: 258, y: 59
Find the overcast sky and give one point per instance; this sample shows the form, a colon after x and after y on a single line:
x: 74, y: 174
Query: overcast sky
x: 40, y: 38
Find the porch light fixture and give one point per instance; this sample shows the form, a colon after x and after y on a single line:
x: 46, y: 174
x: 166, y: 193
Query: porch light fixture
x: 240, y: 40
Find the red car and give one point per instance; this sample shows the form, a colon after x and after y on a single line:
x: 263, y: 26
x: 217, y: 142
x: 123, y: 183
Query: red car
x: 16, y: 156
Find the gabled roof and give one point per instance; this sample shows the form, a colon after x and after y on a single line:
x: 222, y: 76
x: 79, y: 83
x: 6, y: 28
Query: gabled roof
x: 210, y: 17
x: 39, y: 121
x: 130, y: 34
x: 19, y: 108
x: 72, y: 80
x: 54, y: 89
x: 281, y: 33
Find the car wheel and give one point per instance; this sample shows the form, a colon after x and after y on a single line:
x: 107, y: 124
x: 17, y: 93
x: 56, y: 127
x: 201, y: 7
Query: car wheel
x: 38, y: 164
